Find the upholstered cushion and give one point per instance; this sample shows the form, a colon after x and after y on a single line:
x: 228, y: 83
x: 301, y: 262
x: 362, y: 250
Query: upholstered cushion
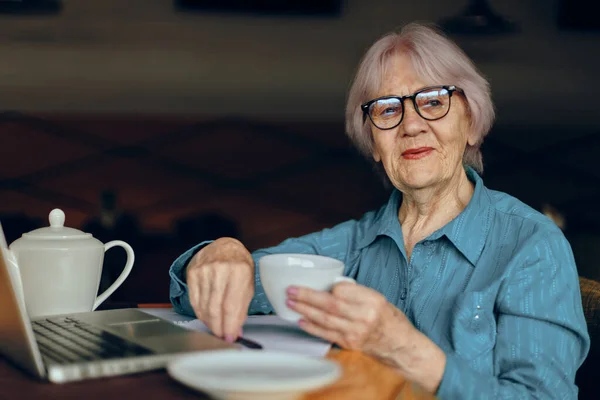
x: 590, y: 296
x: 587, y: 376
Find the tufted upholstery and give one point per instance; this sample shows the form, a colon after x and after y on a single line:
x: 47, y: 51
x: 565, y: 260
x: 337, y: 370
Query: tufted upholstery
x: 590, y: 296
x: 588, y: 375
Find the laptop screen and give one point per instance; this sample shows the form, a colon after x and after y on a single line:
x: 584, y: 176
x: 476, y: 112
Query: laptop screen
x: 17, y: 342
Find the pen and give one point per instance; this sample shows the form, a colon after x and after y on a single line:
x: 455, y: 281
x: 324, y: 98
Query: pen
x: 248, y: 343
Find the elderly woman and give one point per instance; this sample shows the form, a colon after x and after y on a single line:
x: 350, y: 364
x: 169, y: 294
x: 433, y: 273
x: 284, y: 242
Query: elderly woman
x: 464, y: 290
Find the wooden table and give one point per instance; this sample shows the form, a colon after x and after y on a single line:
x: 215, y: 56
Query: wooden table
x: 363, y: 378
x: 366, y: 378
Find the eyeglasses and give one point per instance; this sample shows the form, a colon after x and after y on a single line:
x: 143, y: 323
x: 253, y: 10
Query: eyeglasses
x: 431, y: 103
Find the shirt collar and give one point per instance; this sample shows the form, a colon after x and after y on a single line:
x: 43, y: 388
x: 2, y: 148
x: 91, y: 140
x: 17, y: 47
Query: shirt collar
x: 385, y: 221
x: 467, y: 232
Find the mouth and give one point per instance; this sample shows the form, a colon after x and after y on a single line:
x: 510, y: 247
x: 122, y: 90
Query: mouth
x: 417, y: 153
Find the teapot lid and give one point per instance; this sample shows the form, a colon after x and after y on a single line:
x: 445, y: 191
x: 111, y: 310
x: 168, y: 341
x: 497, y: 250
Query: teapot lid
x: 57, y: 230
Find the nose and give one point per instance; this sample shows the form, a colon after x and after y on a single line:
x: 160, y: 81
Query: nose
x: 412, y: 123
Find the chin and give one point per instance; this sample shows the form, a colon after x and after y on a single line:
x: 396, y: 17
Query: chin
x: 419, y: 178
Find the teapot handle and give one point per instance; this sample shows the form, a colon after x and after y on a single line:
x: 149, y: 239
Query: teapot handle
x: 126, y: 271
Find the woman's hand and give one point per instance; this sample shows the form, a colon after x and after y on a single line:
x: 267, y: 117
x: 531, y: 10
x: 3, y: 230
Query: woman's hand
x: 359, y: 318
x: 220, y: 278
x: 353, y: 316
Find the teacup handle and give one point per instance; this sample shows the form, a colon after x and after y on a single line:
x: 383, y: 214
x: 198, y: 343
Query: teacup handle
x: 344, y: 279
x: 128, y: 266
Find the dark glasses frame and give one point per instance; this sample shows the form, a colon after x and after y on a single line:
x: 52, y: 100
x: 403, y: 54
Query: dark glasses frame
x: 366, y: 107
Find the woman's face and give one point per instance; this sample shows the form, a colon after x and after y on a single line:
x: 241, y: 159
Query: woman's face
x: 418, y: 154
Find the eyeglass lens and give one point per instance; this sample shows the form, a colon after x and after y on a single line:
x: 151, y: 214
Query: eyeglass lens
x: 431, y: 104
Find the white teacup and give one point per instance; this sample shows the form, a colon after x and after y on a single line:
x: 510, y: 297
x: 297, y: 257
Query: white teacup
x: 279, y: 271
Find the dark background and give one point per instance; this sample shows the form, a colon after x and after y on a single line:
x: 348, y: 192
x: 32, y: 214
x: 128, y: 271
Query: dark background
x: 192, y: 121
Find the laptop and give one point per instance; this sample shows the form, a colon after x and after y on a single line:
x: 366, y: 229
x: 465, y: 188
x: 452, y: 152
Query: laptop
x: 73, y: 347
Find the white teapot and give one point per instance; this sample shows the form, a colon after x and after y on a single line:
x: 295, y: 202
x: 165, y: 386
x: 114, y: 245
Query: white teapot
x: 61, y: 267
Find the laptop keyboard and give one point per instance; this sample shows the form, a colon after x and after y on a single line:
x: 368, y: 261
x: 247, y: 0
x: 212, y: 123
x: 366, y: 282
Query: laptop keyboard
x: 67, y: 341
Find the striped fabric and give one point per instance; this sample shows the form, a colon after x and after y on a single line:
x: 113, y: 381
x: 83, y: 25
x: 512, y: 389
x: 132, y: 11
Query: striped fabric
x: 496, y: 289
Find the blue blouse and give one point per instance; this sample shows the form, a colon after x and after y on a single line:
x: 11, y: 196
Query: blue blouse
x: 496, y: 289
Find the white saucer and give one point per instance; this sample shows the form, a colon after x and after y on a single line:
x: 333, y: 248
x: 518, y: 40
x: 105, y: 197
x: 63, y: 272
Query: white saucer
x: 239, y: 374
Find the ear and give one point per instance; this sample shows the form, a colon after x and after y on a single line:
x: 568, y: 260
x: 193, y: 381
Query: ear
x: 472, y: 139
x: 376, y: 155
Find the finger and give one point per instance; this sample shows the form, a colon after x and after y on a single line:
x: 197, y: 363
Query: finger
x: 214, y: 311
x: 199, y: 292
x: 235, y: 308
x: 204, y: 295
x: 321, y: 317
x: 351, y: 292
x: 322, y: 300
x: 194, y: 295
x: 320, y: 331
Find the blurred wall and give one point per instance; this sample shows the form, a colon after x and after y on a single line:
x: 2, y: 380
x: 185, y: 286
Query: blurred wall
x: 196, y: 117
x: 143, y: 56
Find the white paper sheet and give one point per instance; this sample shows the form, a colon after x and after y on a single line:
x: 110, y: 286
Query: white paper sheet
x: 272, y: 332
